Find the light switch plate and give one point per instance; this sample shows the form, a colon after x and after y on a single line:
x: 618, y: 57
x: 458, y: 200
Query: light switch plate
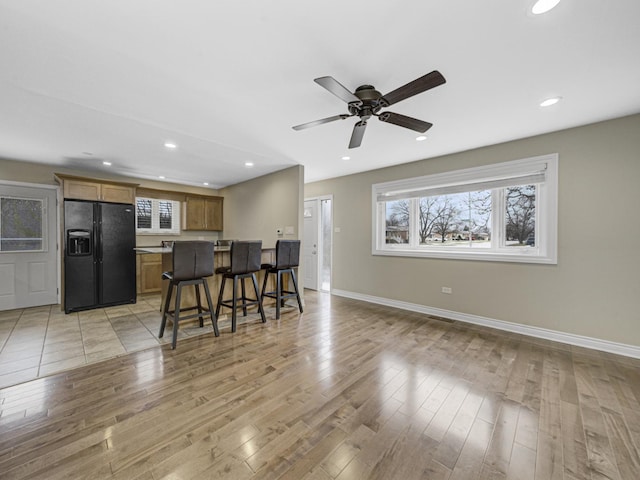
x: 289, y: 230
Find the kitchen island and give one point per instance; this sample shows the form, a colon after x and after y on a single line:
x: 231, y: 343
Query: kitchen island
x: 221, y: 258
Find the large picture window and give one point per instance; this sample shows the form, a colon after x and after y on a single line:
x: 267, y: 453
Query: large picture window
x: 500, y: 212
x: 157, y: 217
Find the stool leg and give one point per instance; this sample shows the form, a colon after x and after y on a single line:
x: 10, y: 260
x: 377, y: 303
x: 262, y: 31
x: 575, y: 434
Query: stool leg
x: 176, y: 317
x: 224, y: 279
x: 214, y: 317
x: 244, y: 296
x: 167, y: 302
x: 234, y: 303
x: 255, y: 287
x: 295, y: 287
x: 278, y: 293
x: 197, y: 287
x: 264, y: 284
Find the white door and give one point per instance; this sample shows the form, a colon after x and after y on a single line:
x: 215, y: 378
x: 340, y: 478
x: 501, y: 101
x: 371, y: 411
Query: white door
x: 28, y: 256
x: 310, y: 244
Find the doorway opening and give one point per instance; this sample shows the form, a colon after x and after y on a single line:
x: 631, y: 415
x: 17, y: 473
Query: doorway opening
x: 318, y: 228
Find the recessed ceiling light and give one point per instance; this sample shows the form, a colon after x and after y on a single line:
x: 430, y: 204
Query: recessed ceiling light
x: 542, y: 6
x: 248, y: 164
x: 108, y: 164
x: 346, y: 158
x: 161, y: 177
x: 170, y: 145
x: 550, y: 101
x: 420, y: 138
x: 206, y: 184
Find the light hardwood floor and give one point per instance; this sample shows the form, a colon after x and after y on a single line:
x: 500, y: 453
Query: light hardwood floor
x: 347, y: 390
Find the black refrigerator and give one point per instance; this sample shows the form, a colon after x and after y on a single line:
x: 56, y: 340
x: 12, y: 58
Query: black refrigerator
x: 99, y: 255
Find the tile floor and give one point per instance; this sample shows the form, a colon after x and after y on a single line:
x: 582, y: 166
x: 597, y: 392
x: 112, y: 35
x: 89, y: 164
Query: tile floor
x: 35, y: 342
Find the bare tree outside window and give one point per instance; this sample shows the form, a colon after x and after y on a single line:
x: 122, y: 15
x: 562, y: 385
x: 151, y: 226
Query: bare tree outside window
x: 397, y: 222
x: 447, y: 217
x: 520, y: 213
x: 428, y: 216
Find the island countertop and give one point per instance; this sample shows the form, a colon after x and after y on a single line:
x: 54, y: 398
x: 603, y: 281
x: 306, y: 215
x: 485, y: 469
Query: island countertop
x: 146, y: 250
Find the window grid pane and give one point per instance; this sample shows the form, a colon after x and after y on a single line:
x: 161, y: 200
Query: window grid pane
x: 143, y: 213
x: 397, y: 221
x: 21, y: 227
x: 166, y: 214
x: 461, y: 220
x: 520, y: 215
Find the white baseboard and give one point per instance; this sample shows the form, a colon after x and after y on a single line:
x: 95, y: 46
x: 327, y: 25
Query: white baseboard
x: 554, y: 335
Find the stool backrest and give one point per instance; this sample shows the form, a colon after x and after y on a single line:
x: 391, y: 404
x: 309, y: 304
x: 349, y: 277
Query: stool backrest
x: 245, y: 256
x: 193, y: 259
x: 287, y: 253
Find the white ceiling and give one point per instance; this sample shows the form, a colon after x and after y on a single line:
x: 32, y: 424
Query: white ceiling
x: 82, y: 81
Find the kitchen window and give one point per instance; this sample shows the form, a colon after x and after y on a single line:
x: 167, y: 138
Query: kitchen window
x: 500, y: 212
x: 157, y: 217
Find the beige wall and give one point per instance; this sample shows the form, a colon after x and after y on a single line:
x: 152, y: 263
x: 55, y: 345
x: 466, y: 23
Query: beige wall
x: 594, y: 290
x: 254, y: 209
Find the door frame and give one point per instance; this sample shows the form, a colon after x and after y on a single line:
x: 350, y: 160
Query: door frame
x: 319, y: 199
x: 58, y: 231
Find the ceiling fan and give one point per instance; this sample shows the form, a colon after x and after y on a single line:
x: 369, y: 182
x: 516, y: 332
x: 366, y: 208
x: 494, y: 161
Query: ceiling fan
x: 366, y: 102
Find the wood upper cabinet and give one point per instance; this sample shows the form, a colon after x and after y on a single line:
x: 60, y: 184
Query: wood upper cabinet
x: 202, y: 213
x: 79, y: 188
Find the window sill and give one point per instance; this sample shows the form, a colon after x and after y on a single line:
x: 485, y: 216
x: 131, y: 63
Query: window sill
x: 515, y: 257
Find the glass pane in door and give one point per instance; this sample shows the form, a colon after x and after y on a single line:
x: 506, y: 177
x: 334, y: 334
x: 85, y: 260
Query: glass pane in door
x: 21, y: 227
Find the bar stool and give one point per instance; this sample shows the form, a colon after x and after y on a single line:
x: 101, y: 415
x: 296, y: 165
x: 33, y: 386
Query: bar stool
x: 192, y: 263
x: 287, y: 258
x: 245, y: 262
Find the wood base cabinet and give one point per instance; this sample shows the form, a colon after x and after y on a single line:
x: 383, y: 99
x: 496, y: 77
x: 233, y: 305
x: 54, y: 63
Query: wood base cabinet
x: 149, y: 273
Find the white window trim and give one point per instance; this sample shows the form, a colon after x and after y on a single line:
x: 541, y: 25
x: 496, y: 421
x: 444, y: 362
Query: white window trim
x: 545, y: 251
x: 155, y: 218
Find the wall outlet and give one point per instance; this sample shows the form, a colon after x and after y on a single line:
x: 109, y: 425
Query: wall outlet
x: 279, y: 231
x: 447, y: 290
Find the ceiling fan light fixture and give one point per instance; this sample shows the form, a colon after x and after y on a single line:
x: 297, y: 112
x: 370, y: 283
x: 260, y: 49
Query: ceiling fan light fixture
x: 550, y: 101
x: 543, y: 6
x: 421, y: 138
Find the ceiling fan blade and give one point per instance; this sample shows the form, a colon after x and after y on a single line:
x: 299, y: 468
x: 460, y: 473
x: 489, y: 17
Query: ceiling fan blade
x: 430, y: 80
x: 321, y: 121
x: 358, y: 133
x: 337, y: 89
x: 404, y: 121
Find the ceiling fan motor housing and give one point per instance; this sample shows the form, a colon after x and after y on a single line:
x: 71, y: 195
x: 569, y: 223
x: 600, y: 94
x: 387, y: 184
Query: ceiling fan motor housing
x: 370, y: 98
